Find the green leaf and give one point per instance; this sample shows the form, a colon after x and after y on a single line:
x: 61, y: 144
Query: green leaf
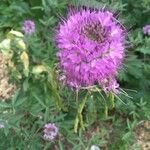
x: 91, y: 110
x: 55, y: 92
x: 39, y: 100
x: 20, y: 102
x: 5, y: 105
x: 144, y: 50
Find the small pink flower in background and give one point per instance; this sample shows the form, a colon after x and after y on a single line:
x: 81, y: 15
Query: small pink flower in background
x: 146, y: 29
x: 94, y: 147
x: 28, y: 27
x: 91, y: 47
x: 2, y: 126
x: 50, y: 131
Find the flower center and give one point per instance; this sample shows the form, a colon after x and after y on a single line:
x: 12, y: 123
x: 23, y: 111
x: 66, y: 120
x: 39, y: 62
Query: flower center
x: 50, y: 130
x: 95, y: 32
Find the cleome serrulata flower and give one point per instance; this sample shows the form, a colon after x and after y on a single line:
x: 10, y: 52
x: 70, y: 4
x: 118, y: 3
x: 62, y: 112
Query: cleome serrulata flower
x: 91, y: 48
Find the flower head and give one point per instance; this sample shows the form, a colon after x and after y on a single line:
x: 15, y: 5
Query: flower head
x: 50, y: 131
x: 28, y: 27
x: 146, y: 29
x: 91, y: 47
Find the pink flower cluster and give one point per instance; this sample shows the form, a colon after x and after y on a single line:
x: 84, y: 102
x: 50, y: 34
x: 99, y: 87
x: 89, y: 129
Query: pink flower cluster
x: 50, y: 131
x: 91, y: 47
x: 28, y: 27
x: 146, y: 29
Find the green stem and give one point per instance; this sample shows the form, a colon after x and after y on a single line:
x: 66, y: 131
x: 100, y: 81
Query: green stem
x: 111, y: 99
x: 55, y: 92
x: 106, y: 112
x: 79, y: 117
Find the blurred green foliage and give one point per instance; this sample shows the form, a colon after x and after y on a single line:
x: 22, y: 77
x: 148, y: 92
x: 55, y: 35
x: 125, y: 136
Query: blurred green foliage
x: 39, y: 92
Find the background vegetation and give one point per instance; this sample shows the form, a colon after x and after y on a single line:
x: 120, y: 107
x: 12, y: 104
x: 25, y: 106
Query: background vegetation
x: 34, y: 103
